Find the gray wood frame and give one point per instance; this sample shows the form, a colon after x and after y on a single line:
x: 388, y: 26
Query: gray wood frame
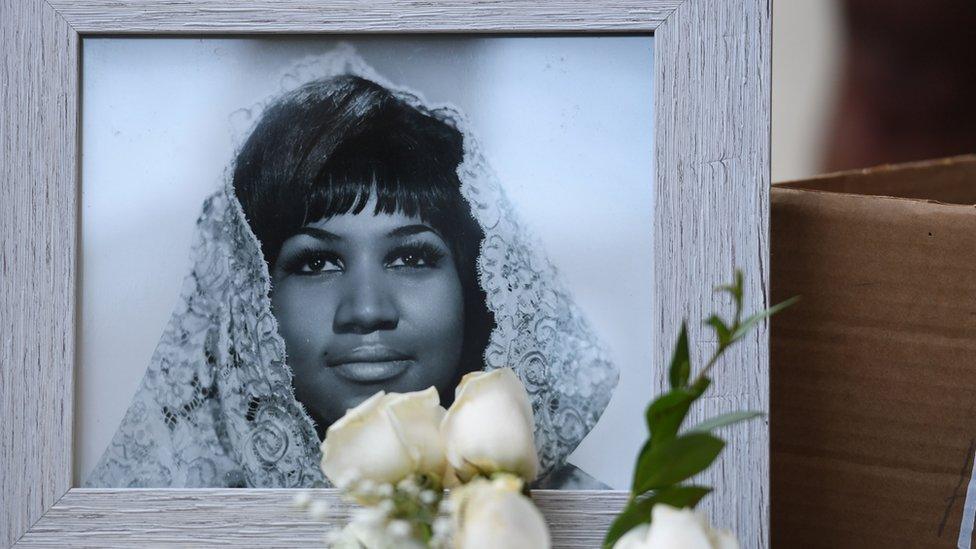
x: 712, y: 86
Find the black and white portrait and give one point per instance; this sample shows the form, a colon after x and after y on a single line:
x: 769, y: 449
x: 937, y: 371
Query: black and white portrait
x: 273, y: 230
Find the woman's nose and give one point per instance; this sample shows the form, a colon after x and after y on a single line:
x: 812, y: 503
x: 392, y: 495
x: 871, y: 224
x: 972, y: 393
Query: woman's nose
x: 365, y: 306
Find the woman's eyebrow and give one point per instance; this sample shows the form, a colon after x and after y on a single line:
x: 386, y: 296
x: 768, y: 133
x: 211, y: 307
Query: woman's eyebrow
x: 320, y: 234
x: 408, y: 230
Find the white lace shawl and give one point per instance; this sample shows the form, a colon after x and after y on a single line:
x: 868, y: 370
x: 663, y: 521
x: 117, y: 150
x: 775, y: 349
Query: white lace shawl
x: 216, y: 407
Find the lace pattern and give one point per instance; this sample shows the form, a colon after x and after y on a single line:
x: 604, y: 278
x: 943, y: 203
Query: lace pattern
x: 216, y: 407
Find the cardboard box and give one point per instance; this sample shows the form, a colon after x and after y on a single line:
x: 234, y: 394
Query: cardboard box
x: 873, y: 373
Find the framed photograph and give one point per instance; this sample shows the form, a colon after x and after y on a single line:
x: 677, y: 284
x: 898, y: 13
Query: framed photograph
x: 226, y: 224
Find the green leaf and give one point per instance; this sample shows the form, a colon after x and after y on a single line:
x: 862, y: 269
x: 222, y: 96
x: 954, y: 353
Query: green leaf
x: 676, y: 496
x: 638, y: 511
x: 635, y: 514
x: 680, y: 369
x: 735, y: 289
x: 723, y: 332
x: 645, y: 449
x: 675, y: 460
x: 756, y: 318
x: 723, y: 420
x: 666, y: 413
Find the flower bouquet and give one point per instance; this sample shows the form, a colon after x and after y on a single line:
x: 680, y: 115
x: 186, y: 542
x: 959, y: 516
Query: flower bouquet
x: 396, y: 454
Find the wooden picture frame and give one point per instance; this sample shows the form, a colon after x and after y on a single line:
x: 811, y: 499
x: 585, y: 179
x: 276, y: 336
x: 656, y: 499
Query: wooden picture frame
x: 712, y: 99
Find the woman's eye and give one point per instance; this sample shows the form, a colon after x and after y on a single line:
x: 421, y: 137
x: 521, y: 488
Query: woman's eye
x: 409, y: 260
x: 319, y: 265
x: 414, y: 257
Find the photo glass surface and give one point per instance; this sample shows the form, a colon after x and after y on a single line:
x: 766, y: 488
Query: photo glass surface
x: 275, y: 229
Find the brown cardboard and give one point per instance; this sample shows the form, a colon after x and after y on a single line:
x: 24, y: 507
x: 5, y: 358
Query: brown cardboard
x: 873, y: 373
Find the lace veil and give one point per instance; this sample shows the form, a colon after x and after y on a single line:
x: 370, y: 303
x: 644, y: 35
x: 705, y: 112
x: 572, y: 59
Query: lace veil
x: 216, y: 406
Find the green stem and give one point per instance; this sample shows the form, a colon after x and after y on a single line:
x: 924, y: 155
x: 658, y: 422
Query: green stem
x: 721, y: 348
x: 711, y: 363
x: 426, y: 532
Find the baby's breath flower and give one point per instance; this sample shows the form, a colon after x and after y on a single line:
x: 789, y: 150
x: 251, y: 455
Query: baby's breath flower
x: 446, y: 506
x: 384, y: 490
x: 441, y: 527
x: 428, y: 497
x: 348, y: 480
x: 408, y: 485
x: 370, y: 516
x: 366, y: 487
x: 386, y: 507
x: 302, y: 499
x: 319, y: 510
x: 332, y: 537
x: 399, y: 528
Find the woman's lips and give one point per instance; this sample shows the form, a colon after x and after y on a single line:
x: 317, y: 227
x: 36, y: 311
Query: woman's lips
x: 369, y: 364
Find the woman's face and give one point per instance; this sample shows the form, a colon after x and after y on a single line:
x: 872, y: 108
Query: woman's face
x: 365, y: 303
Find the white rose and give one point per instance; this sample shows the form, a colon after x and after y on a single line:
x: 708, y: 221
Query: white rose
x: 489, y: 428
x: 635, y: 538
x: 385, y: 439
x: 489, y: 514
x: 673, y: 528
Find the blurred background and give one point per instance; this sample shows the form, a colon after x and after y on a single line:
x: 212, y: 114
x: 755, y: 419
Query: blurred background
x: 857, y: 83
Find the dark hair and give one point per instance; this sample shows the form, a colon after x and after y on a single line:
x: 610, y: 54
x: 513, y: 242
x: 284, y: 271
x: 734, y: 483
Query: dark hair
x: 327, y: 147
